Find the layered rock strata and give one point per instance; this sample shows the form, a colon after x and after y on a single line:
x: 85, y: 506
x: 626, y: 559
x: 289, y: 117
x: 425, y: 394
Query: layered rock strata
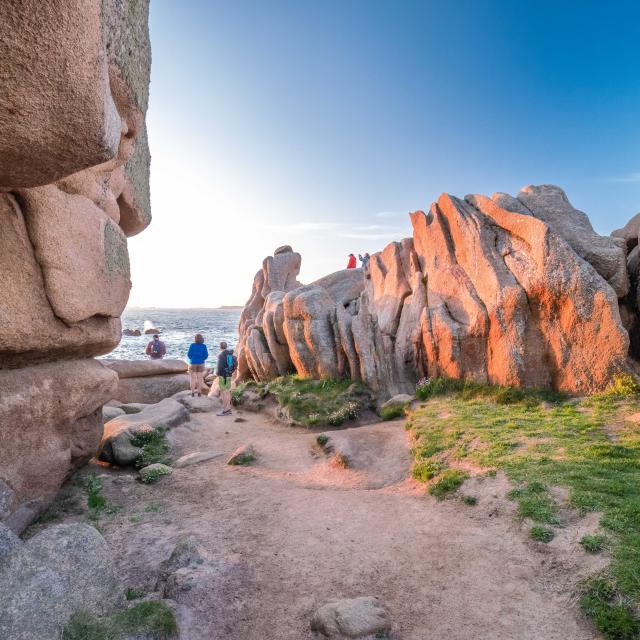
x: 74, y: 184
x: 512, y: 291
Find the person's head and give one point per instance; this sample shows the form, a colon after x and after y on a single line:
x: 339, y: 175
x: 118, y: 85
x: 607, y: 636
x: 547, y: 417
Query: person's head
x: 351, y: 255
x: 223, y: 345
x: 199, y: 339
x: 156, y: 336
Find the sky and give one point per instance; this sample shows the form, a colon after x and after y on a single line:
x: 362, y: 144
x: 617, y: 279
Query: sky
x: 322, y: 123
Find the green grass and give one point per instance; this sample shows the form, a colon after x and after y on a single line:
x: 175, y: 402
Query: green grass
x: 543, y: 440
x: 155, y: 447
x: 314, y: 402
x: 134, y: 594
x: 322, y: 439
x: 393, y: 411
x: 593, y: 543
x: 448, y: 482
x: 470, y: 500
x: 152, y: 619
x: 541, y: 534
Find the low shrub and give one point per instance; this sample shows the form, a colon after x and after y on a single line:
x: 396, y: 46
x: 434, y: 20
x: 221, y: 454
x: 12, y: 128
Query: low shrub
x: 322, y: 439
x: 154, y: 472
x: 93, y: 489
x: 154, y: 445
x: 470, y: 500
x: 350, y: 411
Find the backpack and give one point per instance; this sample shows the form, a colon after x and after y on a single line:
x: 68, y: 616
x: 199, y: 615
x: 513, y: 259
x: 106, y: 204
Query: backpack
x: 231, y: 364
x: 156, y: 347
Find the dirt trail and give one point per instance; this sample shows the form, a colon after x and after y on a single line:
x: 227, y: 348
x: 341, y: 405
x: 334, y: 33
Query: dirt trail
x: 292, y: 532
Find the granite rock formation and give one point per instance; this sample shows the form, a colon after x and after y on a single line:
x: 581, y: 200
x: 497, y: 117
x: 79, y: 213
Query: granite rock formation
x: 74, y: 184
x: 511, y: 291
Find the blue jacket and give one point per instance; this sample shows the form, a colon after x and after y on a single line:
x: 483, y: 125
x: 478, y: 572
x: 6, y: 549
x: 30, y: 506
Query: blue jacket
x: 198, y: 353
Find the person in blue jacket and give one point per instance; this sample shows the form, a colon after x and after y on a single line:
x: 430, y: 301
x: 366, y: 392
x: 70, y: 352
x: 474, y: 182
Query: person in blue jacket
x: 197, y: 355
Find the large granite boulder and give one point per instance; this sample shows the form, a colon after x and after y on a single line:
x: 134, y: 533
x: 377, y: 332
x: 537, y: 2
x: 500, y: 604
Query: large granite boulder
x: 44, y: 581
x: 117, y: 447
x: 510, y: 291
x: 144, y: 368
x: 74, y: 184
x: 606, y: 254
x: 50, y: 423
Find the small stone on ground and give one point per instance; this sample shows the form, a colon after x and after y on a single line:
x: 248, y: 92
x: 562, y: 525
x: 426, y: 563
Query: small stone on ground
x: 195, y: 458
x: 351, y: 618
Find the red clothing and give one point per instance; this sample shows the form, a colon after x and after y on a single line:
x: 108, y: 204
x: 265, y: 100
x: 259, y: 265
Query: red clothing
x: 156, y: 350
x: 352, y: 262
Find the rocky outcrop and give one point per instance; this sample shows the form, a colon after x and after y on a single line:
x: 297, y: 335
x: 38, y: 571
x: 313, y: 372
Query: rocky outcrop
x: 148, y: 381
x: 117, y: 445
x: 511, y: 291
x: 58, y: 572
x: 74, y: 184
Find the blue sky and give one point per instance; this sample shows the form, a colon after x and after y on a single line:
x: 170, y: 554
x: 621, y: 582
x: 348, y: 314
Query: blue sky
x: 321, y: 124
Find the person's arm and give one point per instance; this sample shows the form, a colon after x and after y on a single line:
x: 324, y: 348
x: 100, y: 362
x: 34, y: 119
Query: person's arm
x: 163, y: 349
x: 220, y: 367
x: 190, y: 352
x: 148, y: 349
x: 206, y: 352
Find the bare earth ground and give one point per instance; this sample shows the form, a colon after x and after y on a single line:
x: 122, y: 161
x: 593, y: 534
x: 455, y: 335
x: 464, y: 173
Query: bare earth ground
x: 293, y: 531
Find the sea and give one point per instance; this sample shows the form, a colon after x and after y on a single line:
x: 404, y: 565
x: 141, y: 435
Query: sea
x: 177, y: 328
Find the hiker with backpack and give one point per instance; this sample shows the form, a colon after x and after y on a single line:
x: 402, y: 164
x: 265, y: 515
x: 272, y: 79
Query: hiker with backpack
x: 197, y: 354
x: 227, y: 365
x: 156, y: 349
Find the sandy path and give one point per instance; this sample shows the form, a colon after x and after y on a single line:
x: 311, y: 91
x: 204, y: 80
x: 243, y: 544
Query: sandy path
x: 293, y: 532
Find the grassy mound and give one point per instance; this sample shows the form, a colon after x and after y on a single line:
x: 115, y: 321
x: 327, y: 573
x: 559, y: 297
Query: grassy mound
x: 540, y: 440
x: 151, y: 619
x: 313, y: 402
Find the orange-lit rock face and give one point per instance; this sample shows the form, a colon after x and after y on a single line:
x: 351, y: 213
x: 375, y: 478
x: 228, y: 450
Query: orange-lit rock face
x: 493, y: 290
x: 74, y: 184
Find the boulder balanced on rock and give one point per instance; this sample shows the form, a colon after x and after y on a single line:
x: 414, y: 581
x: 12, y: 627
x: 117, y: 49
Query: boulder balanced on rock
x: 511, y: 291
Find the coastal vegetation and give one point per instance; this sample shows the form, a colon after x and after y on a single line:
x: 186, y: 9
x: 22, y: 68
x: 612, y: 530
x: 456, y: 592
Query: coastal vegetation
x: 149, y: 619
x: 311, y: 403
x: 589, y: 446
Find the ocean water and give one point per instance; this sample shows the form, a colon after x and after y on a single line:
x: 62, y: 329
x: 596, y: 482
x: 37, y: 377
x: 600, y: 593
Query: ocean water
x: 177, y: 329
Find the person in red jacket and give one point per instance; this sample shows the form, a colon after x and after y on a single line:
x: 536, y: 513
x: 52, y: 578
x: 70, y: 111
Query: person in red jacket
x: 352, y: 262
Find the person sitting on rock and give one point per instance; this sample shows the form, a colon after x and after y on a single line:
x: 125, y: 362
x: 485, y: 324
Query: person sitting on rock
x: 156, y: 349
x: 352, y: 262
x: 227, y: 364
x: 197, y: 354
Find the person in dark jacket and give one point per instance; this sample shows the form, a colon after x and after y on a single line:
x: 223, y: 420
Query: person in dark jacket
x: 197, y: 355
x: 156, y: 349
x: 226, y: 367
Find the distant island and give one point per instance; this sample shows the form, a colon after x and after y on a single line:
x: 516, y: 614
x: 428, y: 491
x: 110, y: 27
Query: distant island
x: 230, y: 306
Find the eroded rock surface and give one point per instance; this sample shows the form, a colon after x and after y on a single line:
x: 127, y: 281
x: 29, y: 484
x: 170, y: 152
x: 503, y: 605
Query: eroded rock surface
x: 512, y: 291
x: 74, y: 184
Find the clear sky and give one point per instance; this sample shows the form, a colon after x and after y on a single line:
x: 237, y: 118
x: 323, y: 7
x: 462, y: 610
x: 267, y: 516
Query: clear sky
x: 321, y: 123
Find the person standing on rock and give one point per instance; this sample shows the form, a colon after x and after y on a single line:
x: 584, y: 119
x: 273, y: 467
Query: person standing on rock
x: 227, y: 364
x: 156, y: 349
x: 197, y: 354
x: 352, y: 264
x: 364, y: 260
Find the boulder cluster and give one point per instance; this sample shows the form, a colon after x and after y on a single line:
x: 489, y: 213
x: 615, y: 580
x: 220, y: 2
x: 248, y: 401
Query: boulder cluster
x: 517, y: 291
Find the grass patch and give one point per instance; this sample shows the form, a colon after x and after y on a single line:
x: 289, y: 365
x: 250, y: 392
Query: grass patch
x: 542, y: 440
x: 448, y: 482
x: 312, y: 403
x: 151, y: 619
x: 611, y: 617
x: 154, y: 445
x: 426, y: 469
x: 393, y: 411
x: 134, y: 594
x: 593, y: 543
x: 322, y: 439
x: 470, y: 500
x: 541, y: 534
